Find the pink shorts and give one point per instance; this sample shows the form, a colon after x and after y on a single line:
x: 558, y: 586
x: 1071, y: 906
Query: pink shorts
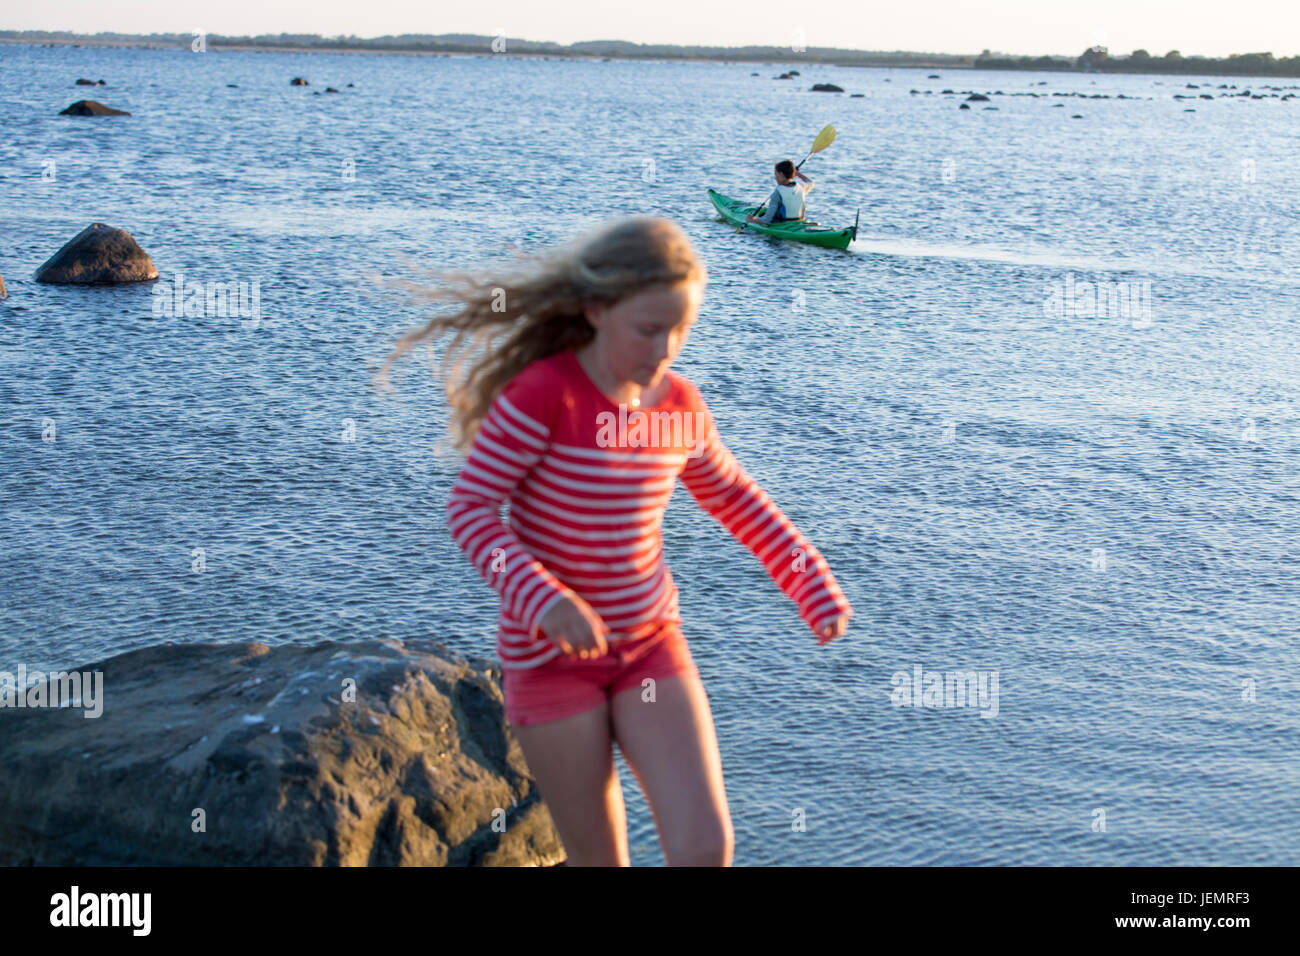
x: 564, y: 686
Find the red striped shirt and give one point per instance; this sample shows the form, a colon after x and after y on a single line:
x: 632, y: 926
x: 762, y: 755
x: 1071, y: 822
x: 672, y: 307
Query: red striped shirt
x: 587, y: 484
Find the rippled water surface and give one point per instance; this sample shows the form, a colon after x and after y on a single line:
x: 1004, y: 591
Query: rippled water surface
x: 1101, y: 510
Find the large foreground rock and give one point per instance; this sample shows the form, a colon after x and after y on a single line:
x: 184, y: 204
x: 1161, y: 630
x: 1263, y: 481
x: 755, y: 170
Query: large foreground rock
x: 98, y: 255
x: 335, y: 754
x: 91, y: 108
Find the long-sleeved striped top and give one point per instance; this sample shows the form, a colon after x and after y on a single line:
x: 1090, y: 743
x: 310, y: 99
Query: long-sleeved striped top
x: 587, y: 482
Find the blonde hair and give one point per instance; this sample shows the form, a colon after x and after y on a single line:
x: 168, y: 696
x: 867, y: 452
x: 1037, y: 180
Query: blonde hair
x: 505, y: 324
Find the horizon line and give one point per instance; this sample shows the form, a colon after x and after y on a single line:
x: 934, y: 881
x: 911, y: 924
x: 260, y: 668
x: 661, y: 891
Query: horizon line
x: 542, y: 46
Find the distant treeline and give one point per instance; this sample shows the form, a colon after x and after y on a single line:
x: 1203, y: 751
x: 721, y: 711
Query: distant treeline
x: 1094, y: 59
x: 472, y: 43
x: 1097, y: 59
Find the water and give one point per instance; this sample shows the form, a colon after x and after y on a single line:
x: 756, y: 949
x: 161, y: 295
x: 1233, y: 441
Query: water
x: 1101, y: 510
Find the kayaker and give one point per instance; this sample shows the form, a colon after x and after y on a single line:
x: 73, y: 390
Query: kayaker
x: 588, y: 632
x: 787, y: 199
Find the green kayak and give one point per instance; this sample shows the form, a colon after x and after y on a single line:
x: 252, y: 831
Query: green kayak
x: 800, y: 230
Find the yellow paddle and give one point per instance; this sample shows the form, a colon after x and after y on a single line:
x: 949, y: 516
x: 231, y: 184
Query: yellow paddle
x: 824, y: 139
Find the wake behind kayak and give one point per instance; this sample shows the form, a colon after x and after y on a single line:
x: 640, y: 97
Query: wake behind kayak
x: 799, y: 230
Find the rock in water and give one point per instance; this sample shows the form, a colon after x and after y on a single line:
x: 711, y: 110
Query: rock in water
x: 98, y: 255
x: 359, y: 753
x: 827, y: 88
x: 298, y: 81
x: 91, y: 108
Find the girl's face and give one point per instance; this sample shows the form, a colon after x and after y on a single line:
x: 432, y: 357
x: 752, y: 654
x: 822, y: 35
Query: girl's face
x: 639, y: 337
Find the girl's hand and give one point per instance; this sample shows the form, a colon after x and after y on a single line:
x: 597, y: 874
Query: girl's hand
x: 833, y: 630
x: 575, y: 628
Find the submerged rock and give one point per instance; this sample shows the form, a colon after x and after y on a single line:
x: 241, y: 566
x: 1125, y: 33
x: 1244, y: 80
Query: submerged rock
x: 91, y: 108
x: 827, y: 88
x: 85, y: 82
x: 369, y: 753
x: 98, y: 255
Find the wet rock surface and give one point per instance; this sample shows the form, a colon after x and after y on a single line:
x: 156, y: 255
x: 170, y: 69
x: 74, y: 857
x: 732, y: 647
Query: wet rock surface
x: 374, y: 753
x: 98, y: 255
x: 91, y: 108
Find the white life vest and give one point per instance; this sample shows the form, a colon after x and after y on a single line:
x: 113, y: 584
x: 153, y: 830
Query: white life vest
x: 791, y: 201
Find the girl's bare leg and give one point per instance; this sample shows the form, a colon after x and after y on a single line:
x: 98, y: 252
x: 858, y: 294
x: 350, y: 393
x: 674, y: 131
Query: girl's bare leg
x: 671, y: 746
x: 572, y: 761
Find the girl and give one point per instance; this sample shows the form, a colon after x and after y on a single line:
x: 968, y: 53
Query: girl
x: 570, y: 414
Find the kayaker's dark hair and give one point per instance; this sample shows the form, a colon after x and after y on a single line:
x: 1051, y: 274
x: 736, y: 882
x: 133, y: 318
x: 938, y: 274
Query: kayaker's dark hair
x: 785, y: 168
x: 506, y: 323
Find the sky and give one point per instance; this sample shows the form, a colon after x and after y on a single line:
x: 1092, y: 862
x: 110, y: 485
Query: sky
x: 1020, y: 27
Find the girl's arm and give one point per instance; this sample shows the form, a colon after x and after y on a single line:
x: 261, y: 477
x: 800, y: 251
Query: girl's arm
x: 722, y: 488
x: 514, y: 434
